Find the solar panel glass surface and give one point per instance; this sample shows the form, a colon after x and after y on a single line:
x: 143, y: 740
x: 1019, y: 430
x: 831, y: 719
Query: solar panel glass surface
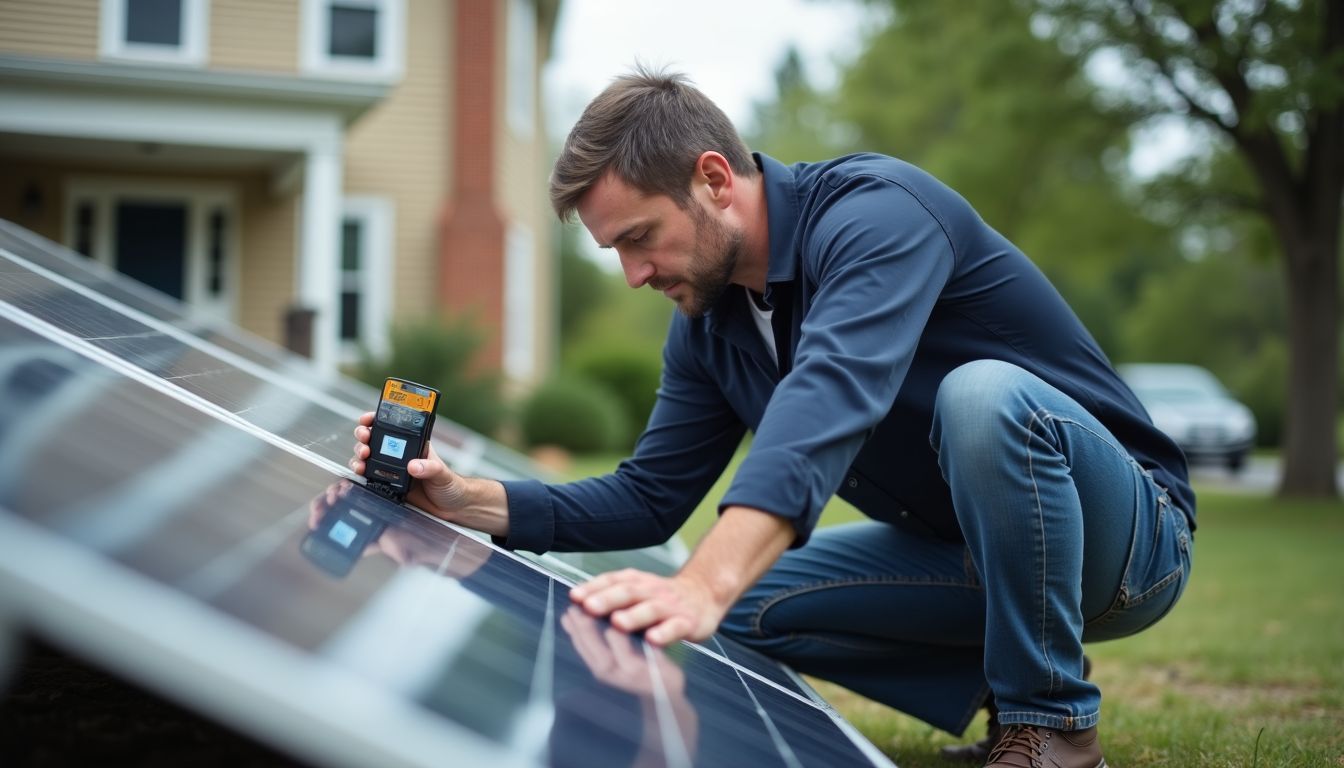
x: 164, y: 477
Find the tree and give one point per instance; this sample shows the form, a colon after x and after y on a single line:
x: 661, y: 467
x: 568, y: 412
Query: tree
x: 1267, y: 76
x: 969, y: 93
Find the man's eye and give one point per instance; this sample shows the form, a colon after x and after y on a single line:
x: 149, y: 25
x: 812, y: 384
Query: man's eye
x: 640, y: 238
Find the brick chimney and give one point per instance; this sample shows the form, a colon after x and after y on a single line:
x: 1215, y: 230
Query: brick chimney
x: 471, y: 257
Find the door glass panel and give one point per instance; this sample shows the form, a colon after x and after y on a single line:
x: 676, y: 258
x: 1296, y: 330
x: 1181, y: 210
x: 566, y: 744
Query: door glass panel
x: 151, y: 244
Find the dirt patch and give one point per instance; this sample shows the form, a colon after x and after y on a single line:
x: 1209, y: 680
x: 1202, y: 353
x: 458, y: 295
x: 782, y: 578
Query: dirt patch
x: 1151, y: 687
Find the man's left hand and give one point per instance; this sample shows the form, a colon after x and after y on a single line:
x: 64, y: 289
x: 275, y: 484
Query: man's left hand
x: 667, y: 608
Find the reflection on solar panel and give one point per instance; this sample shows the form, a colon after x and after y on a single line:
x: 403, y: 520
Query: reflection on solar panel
x: 174, y: 505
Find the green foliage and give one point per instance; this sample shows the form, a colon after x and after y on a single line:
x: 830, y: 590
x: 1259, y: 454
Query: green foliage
x: 441, y: 354
x: 1261, y: 382
x: 629, y: 372
x: 577, y: 415
x: 583, y: 285
x: 799, y: 123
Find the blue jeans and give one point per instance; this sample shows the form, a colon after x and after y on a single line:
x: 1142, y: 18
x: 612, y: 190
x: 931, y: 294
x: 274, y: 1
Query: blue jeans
x: 1068, y: 540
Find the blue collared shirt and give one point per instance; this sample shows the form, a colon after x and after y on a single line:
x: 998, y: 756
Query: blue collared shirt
x: 891, y: 281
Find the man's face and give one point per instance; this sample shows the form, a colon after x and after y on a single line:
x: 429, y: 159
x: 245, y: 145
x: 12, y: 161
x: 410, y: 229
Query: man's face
x: 689, y: 255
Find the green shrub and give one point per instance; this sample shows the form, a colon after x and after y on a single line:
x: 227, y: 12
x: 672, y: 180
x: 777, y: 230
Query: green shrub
x: 440, y: 354
x: 631, y: 374
x: 578, y: 415
x: 1261, y: 382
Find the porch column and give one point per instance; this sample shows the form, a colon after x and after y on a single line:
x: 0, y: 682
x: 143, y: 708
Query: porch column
x: 317, y: 280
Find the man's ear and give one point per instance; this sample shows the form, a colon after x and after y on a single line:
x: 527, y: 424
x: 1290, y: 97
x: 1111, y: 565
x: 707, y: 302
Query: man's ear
x: 713, y: 171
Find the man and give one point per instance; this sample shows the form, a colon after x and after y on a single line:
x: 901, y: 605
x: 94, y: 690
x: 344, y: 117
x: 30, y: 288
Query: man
x: 883, y: 343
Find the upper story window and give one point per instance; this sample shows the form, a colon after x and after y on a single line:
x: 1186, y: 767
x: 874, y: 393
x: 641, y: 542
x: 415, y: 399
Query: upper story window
x: 165, y: 31
x: 353, y: 38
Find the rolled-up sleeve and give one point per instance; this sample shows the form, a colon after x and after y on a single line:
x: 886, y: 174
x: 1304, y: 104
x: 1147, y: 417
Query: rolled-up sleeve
x: 874, y: 259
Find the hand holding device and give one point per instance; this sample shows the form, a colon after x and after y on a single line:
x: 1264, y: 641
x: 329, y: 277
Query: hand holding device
x: 399, y: 433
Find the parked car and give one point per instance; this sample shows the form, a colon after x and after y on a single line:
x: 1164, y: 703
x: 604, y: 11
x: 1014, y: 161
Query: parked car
x: 1192, y: 406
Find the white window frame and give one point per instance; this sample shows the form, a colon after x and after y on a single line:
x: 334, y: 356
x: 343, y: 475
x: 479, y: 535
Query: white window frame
x: 112, y: 42
x: 390, y: 56
x: 520, y: 68
x: 199, y: 198
x: 520, y: 303
x: 377, y: 218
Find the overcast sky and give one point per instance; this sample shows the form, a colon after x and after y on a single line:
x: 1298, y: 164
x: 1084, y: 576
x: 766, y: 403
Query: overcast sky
x: 729, y: 48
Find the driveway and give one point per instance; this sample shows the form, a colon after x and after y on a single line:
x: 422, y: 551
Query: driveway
x: 1260, y: 475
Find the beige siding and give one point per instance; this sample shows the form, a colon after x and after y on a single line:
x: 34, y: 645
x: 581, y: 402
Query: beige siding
x: 57, y: 28
x: 400, y: 150
x: 16, y: 178
x: 268, y: 252
x: 257, y: 35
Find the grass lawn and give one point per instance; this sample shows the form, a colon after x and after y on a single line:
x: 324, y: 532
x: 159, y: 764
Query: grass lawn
x: 1248, y: 670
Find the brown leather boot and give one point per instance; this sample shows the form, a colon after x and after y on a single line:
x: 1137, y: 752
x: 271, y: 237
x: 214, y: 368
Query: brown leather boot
x: 978, y: 751
x: 1033, y: 746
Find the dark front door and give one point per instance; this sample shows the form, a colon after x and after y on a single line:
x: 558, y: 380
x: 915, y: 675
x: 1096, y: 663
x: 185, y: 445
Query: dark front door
x: 151, y: 245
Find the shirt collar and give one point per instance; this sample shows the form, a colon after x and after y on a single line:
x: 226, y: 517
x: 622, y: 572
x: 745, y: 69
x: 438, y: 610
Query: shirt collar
x: 781, y: 204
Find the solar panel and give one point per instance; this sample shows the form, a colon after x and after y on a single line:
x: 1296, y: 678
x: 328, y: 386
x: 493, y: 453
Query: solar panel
x: 179, y: 512
x: 275, y: 390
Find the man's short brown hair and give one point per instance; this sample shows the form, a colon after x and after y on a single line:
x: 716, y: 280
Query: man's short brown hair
x: 649, y: 128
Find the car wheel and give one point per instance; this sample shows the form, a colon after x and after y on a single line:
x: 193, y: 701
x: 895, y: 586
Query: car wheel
x: 1235, y: 461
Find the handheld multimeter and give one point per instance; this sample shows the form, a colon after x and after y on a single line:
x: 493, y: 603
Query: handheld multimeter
x: 400, y: 432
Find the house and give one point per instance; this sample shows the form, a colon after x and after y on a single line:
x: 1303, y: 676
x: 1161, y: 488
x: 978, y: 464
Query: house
x: 312, y: 170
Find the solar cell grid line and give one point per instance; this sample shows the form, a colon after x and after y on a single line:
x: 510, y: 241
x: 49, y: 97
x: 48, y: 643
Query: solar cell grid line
x: 783, y: 746
x: 811, y: 732
x: 764, y: 667
x: 674, y: 740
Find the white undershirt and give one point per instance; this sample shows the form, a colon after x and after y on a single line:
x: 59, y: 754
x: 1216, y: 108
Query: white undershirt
x: 762, y: 318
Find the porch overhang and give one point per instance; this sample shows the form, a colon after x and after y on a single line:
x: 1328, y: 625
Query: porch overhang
x: 349, y: 99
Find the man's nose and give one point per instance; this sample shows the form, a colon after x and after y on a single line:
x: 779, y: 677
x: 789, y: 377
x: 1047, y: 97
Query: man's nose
x: 637, y: 272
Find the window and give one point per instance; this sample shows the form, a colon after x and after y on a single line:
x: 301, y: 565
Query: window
x: 353, y: 38
x: 520, y: 313
x: 364, y: 303
x: 166, y: 31
x: 521, y: 67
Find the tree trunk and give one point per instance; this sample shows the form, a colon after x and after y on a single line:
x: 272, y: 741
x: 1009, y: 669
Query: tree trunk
x: 1312, y: 418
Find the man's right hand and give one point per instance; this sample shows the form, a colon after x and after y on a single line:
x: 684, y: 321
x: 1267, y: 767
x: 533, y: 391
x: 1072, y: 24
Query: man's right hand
x: 438, y: 490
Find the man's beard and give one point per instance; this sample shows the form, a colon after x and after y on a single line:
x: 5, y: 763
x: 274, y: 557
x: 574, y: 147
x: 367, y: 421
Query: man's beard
x: 717, y: 250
